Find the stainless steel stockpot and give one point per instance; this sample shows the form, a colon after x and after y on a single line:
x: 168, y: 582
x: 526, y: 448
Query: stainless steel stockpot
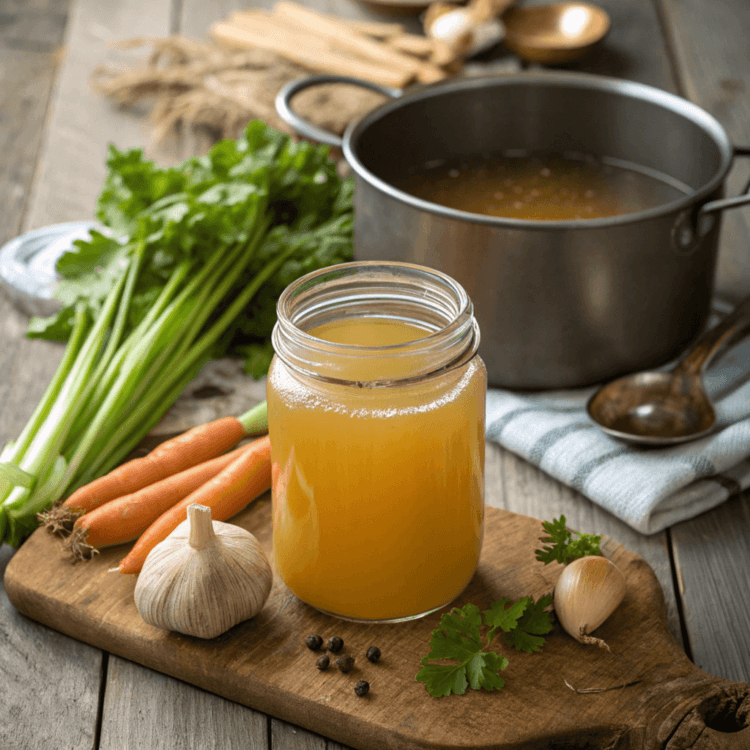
x: 559, y: 304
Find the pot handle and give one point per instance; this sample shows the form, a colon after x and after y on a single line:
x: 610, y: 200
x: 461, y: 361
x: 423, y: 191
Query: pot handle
x: 691, y: 227
x: 722, y: 203
x: 307, y: 129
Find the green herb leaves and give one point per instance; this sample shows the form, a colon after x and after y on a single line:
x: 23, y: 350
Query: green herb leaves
x: 203, y: 208
x: 458, y: 638
x: 523, y: 622
x: 561, y: 546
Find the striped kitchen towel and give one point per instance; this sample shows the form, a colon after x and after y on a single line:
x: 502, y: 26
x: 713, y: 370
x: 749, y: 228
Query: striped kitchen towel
x: 648, y: 488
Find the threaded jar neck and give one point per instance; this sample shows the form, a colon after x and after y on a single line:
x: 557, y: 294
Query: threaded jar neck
x: 398, y: 292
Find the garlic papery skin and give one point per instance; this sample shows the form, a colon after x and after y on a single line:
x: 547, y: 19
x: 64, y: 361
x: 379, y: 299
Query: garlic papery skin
x: 586, y: 594
x: 204, y: 578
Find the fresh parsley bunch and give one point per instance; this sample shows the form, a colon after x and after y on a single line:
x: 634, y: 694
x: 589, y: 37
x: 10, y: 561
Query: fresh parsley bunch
x: 458, y: 638
x: 283, y: 199
x: 560, y: 545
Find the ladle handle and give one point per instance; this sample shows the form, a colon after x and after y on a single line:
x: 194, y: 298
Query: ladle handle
x: 722, y: 335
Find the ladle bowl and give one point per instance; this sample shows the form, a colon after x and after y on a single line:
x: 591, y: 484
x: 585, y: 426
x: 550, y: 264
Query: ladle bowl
x: 666, y: 408
x: 556, y: 33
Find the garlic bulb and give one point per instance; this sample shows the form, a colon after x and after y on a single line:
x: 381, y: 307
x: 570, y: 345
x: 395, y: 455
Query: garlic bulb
x: 586, y: 594
x: 204, y: 578
x: 468, y: 29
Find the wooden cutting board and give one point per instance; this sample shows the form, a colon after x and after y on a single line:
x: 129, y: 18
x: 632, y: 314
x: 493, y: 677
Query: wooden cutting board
x: 264, y: 663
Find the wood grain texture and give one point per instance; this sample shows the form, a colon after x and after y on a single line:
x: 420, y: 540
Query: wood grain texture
x: 710, y: 44
x: 712, y: 554
x: 30, y: 39
x: 291, y: 737
x: 713, y: 62
x: 145, y: 710
x: 82, y: 124
x: 49, y: 683
x: 265, y: 664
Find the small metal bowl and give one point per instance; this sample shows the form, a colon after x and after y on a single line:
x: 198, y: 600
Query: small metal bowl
x: 27, y: 265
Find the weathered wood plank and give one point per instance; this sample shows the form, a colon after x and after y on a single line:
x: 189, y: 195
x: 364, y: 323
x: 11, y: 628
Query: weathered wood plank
x: 710, y: 44
x: 29, y: 41
x: 49, y: 683
x: 712, y: 554
x: 291, y: 737
x: 30, y: 38
x: 145, y: 710
x: 81, y: 123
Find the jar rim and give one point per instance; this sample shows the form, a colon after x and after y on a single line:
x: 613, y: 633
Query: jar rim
x: 457, y: 337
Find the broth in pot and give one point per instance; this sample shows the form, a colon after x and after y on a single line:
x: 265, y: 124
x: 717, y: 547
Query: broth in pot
x: 540, y: 186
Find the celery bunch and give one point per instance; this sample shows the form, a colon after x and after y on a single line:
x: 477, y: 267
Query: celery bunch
x: 190, y: 269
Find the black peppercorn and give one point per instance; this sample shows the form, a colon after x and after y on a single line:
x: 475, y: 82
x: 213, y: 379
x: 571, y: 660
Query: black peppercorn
x: 373, y: 654
x: 314, y: 642
x: 335, y: 644
x: 362, y: 688
x: 345, y: 662
x: 322, y: 662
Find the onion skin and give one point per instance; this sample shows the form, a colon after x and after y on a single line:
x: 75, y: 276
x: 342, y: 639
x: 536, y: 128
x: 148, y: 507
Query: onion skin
x: 588, y: 591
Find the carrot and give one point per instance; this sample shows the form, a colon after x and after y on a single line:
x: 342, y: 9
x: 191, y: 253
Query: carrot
x: 125, y: 518
x: 248, y: 476
x: 189, y: 449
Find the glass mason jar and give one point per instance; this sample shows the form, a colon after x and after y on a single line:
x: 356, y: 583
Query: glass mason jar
x: 376, y: 409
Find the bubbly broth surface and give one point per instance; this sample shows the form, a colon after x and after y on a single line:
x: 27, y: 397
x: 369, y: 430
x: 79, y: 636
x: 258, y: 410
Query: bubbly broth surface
x: 542, y: 187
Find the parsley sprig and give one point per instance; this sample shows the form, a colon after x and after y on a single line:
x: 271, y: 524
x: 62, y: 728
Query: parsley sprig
x: 458, y: 638
x: 561, y: 546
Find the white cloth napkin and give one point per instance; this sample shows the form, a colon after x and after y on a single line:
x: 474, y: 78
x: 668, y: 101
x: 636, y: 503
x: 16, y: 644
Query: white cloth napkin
x: 649, y: 488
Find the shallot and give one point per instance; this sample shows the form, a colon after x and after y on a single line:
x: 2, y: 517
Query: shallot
x: 588, y: 591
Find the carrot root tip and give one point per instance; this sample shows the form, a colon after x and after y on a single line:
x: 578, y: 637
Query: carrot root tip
x: 78, y: 547
x: 59, y: 519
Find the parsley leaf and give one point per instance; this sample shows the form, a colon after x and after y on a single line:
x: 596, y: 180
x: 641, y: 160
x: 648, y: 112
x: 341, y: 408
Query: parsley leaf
x: 505, y: 619
x: 533, y: 623
x: 560, y: 545
x: 458, y: 638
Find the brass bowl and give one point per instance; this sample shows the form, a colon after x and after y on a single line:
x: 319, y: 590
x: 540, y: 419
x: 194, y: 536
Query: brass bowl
x: 554, y: 34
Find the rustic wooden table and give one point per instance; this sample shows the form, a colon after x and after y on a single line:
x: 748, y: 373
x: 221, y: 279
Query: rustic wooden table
x: 58, y: 693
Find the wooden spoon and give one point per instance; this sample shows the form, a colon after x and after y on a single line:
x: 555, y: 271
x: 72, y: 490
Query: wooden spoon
x: 554, y: 34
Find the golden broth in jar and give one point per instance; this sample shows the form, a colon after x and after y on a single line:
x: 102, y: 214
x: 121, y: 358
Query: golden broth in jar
x: 377, y: 491
x: 539, y: 186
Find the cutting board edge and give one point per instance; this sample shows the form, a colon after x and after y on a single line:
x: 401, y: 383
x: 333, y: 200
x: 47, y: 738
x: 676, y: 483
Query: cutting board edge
x: 274, y: 700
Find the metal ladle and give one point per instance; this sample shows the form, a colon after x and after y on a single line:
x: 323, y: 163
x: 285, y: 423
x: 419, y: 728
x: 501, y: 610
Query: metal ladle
x: 664, y: 408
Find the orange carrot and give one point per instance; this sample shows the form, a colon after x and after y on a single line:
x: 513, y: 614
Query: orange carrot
x: 126, y: 518
x: 171, y: 457
x: 226, y: 494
